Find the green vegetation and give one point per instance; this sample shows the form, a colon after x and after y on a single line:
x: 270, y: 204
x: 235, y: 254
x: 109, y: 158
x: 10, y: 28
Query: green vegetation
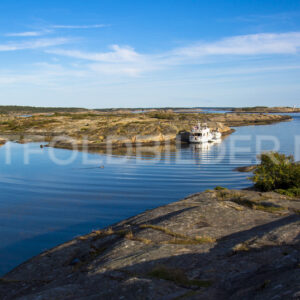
x: 5, y: 109
x: 179, y: 238
x: 162, y: 115
x: 177, y: 276
x: 220, y: 188
x: 247, y: 109
x: 264, y: 206
x: 19, y: 125
x: 292, y: 192
x: 278, y: 172
x: 82, y: 116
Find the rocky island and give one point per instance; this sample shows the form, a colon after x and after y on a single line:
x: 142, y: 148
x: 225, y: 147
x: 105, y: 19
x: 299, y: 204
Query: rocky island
x: 97, y: 128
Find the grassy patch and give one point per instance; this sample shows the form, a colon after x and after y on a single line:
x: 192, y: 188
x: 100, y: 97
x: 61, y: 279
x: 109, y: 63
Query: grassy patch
x: 220, y: 188
x: 82, y: 116
x: 292, y: 192
x: 243, y: 247
x: 192, y: 241
x: 127, y: 234
x: 177, y: 276
x: 179, y: 238
x: 164, y: 230
x: 269, y: 208
x: 263, y: 206
x: 130, y: 236
x: 224, y: 194
x: 23, y: 124
x: 143, y: 240
x: 162, y: 115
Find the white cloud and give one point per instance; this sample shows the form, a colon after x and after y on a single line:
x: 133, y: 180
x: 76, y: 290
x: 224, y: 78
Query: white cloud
x: 132, y: 71
x: 121, y: 60
x: 26, y: 33
x: 253, y: 44
x: 126, y: 60
x: 50, y: 29
x: 118, y: 54
x: 34, y: 44
x: 79, y: 26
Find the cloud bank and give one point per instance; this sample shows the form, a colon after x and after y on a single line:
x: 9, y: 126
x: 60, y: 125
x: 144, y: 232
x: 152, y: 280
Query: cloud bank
x: 125, y: 59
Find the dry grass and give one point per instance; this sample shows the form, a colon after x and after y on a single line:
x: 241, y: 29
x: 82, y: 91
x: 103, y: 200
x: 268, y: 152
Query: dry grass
x: 125, y: 233
x: 164, y: 230
x: 179, y: 238
x: 254, y: 204
x: 242, y: 247
x: 129, y: 235
x: 235, y: 206
x: 270, y: 209
x: 109, y: 231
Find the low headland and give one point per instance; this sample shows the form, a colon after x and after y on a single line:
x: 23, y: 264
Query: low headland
x: 265, y: 109
x: 96, y: 129
x: 217, y: 244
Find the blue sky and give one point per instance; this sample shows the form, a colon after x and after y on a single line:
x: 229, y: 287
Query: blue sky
x: 107, y: 53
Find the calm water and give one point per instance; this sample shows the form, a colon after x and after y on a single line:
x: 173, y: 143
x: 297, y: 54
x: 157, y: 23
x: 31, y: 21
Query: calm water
x: 43, y: 204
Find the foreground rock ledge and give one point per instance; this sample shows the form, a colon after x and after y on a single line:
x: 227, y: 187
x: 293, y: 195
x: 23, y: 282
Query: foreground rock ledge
x: 224, y: 244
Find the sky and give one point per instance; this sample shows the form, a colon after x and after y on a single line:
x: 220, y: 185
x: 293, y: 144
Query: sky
x: 171, y: 53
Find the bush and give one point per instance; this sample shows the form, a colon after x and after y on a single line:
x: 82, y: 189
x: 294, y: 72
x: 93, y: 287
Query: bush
x: 277, y: 172
x: 220, y: 188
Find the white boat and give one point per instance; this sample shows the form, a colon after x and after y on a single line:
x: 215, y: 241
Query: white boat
x: 216, y: 135
x: 201, y: 134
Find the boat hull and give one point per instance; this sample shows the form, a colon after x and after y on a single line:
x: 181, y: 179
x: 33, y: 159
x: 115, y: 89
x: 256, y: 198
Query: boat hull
x: 196, y: 140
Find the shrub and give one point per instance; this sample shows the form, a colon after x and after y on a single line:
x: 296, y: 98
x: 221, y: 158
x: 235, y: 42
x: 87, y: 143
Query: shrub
x: 277, y: 172
x: 220, y: 188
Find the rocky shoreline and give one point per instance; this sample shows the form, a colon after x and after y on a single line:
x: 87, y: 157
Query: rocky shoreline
x: 218, y: 244
x: 2, y: 141
x: 97, y: 130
